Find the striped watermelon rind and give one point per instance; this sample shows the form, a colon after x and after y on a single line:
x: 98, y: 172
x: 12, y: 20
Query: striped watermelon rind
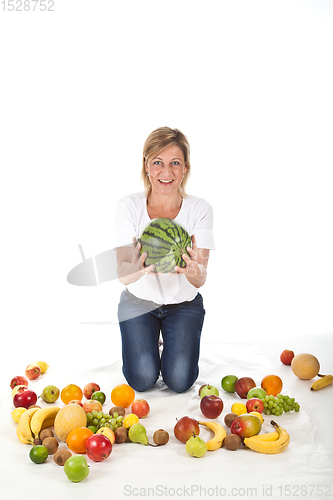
x: 165, y: 241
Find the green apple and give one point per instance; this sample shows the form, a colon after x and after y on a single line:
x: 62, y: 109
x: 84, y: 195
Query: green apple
x: 208, y: 390
x: 228, y: 383
x: 256, y: 392
x: 196, y: 447
x: 76, y: 468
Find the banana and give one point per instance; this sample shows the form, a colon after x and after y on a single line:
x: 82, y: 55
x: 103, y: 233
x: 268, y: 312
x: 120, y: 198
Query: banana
x: 269, y: 447
x: 267, y: 436
x: 322, y: 382
x: 23, y: 430
x: 46, y: 415
x: 220, y: 433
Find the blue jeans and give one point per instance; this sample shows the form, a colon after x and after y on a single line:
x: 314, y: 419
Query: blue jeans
x: 141, y: 322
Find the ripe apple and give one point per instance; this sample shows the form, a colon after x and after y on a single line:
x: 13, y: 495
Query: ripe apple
x: 287, y: 357
x: 256, y: 392
x: 76, y: 468
x: 19, y: 380
x: 32, y: 372
x: 184, y: 429
x: 106, y: 431
x: 98, y: 447
x: 91, y: 405
x: 246, y: 426
x: 89, y: 389
x: 254, y: 404
x: 76, y: 401
x: 209, y: 389
x: 211, y: 406
x: 140, y: 407
x: 25, y: 399
x: 228, y: 383
x: 243, y: 385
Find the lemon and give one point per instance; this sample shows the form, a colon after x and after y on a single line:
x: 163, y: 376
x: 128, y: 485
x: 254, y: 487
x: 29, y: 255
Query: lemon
x: 130, y: 419
x: 238, y: 408
x: 257, y: 414
x: 42, y: 365
x: 17, y: 413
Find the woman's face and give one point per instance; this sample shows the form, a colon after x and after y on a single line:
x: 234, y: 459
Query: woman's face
x: 166, y: 170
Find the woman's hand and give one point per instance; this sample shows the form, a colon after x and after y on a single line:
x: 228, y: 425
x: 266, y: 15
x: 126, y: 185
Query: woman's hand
x: 196, y: 264
x: 131, y: 263
x: 138, y: 260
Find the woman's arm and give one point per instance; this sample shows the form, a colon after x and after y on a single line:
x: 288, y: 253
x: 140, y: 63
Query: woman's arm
x: 130, y: 264
x: 196, y: 265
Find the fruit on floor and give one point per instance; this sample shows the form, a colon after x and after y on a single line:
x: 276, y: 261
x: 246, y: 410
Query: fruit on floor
x: 243, y: 386
x: 246, y: 426
x: 19, y: 388
x: 50, y: 394
x: 322, y: 382
x: 160, y: 437
x: 257, y: 414
x: 254, y: 404
x: 259, y: 444
x: 196, y: 447
x: 122, y: 395
x: 44, y: 417
x: 38, y: 454
x: 106, y: 431
x: 25, y: 399
x: 18, y: 380
x: 68, y: 418
x: 32, y: 372
x: 276, y: 406
x: 17, y: 413
x: 305, y: 366
x: 99, y: 396
x: 76, y: 468
x: 287, y: 356
x: 121, y: 434
x: 70, y: 392
x: 89, y: 389
x: 137, y: 434
x: 232, y: 442
x: 211, y: 406
x: 256, y: 392
x: 42, y: 365
x: 228, y: 383
x: 219, y: 434
x: 272, y: 385
x: 51, y: 444
x: 61, y: 456
x: 117, y: 409
x: 23, y: 430
x: 130, y: 419
x: 208, y: 390
x: 238, y: 408
x: 141, y: 408
x: 77, y: 438
x: 185, y: 427
x: 45, y: 433
x: 98, y: 447
x: 229, y: 418
x: 91, y: 404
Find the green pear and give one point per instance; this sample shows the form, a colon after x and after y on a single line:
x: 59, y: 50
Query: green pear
x: 137, y: 434
x: 50, y: 394
x: 195, y: 446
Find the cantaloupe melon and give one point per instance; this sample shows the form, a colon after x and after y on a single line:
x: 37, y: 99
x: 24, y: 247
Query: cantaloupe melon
x: 68, y: 418
x: 305, y: 366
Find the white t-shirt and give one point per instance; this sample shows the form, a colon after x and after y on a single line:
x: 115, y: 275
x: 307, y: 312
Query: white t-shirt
x: 195, y: 215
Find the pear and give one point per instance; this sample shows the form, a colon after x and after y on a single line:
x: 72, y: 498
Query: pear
x: 195, y: 446
x: 137, y: 434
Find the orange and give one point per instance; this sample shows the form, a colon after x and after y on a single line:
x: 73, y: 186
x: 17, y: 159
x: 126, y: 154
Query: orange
x: 122, y: 395
x: 70, y: 392
x: 76, y: 439
x: 272, y: 385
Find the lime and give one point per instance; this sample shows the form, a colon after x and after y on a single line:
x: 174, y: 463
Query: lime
x: 38, y: 454
x: 99, y: 396
x: 93, y: 428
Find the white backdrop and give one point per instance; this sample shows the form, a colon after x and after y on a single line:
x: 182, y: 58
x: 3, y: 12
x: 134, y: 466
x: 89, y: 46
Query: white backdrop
x: 249, y: 83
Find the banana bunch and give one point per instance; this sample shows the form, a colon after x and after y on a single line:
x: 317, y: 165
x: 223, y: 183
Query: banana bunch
x: 219, y: 434
x: 32, y: 421
x: 271, y: 442
x: 324, y: 381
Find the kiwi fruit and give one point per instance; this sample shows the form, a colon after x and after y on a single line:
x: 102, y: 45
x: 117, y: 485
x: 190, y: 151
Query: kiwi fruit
x: 61, y: 456
x: 45, y: 433
x: 51, y: 444
x: 232, y: 442
x: 161, y: 437
x: 117, y: 409
x: 121, y: 434
x: 229, y: 418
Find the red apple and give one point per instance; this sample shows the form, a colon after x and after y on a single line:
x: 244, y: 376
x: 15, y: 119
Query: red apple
x: 98, y: 447
x: 19, y: 380
x: 287, y: 356
x: 254, y: 404
x: 211, y: 406
x: 76, y: 401
x: 243, y: 385
x: 140, y: 407
x: 89, y: 389
x: 184, y: 429
x: 25, y: 399
x: 92, y: 404
x: 246, y: 426
x: 32, y: 372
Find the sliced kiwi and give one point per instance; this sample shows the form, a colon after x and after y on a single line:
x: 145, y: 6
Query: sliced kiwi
x: 61, y: 456
x: 121, y: 434
x: 232, y: 442
x: 51, y: 444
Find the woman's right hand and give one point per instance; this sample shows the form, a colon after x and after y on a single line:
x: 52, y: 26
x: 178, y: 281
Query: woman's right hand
x: 131, y: 264
x: 138, y: 260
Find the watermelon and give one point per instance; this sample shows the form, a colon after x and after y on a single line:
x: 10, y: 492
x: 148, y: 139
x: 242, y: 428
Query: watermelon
x: 165, y: 241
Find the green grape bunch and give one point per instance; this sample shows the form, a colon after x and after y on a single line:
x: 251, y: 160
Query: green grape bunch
x: 100, y: 419
x: 279, y: 404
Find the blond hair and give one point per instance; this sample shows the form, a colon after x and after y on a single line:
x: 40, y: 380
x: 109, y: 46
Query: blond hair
x: 158, y: 140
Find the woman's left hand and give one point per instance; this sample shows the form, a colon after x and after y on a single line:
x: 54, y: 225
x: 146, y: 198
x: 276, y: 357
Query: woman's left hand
x: 191, y: 260
x: 196, y: 264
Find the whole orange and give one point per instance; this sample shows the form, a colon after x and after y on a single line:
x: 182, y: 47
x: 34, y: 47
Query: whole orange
x: 272, y: 385
x: 122, y: 395
x: 71, y: 392
x: 76, y: 439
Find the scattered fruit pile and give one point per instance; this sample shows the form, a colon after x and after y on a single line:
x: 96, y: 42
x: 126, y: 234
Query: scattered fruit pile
x: 276, y: 406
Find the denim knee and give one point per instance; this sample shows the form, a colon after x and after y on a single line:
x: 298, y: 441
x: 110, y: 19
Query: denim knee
x: 141, y: 382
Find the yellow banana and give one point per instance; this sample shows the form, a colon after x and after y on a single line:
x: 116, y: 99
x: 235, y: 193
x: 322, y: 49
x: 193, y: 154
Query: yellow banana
x: 219, y: 434
x: 322, y: 382
x: 267, y: 436
x: 269, y: 447
x: 43, y: 415
x: 23, y: 429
